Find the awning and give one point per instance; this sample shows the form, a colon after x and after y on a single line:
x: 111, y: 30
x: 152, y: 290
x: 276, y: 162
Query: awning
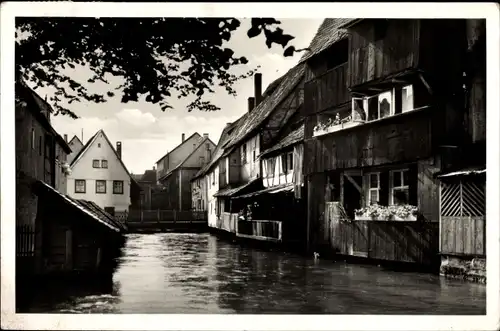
x: 270, y: 190
x: 231, y: 191
x: 464, y: 172
x: 96, y: 213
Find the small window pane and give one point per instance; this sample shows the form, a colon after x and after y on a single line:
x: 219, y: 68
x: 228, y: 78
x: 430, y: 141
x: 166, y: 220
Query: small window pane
x: 372, y: 108
x: 373, y: 181
x: 401, y: 196
x: 290, y: 161
x: 359, y: 109
x: 385, y: 104
x: 100, y: 186
x: 405, y: 178
x: 407, y: 96
x: 373, y: 196
x: 396, y: 178
x: 79, y: 186
x: 95, y: 163
x: 104, y: 164
x: 117, y: 187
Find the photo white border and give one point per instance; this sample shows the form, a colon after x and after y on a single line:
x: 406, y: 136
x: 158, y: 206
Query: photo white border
x: 9, y: 10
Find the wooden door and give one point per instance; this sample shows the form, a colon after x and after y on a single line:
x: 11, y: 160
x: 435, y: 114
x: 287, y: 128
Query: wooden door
x: 353, y: 196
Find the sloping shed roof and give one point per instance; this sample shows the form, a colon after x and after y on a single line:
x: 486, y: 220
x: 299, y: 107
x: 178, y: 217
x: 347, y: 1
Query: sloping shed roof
x: 243, y: 188
x: 287, y: 187
x: 329, y: 32
x: 89, y: 209
x: 290, y: 139
x: 257, y: 116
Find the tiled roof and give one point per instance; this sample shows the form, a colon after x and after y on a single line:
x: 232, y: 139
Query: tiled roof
x: 290, y: 139
x: 88, y: 208
x: 329, y: 32
x: 258, y: 115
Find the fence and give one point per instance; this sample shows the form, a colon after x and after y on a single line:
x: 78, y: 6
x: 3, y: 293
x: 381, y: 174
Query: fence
x: 399, y: 241
x: 146, y: 216
x: 463, y: 216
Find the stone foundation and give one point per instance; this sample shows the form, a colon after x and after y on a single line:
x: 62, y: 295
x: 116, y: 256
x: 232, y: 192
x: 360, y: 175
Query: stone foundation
x: 467, y: 268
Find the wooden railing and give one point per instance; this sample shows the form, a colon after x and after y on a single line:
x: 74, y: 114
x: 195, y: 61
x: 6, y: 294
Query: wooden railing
x: 145, y: 216
x: 327, y: 90
x: 262, y: 230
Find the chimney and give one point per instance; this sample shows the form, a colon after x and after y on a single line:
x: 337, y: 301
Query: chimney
x: 183, y: 137
x: 205, y: 136
x: 258, y: 88
x: 154, y: 168
x: 251, y: 103
x: 119, y: 149
x: 66, y: 138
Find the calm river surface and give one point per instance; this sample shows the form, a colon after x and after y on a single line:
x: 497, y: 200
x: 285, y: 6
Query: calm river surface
x: 198, y: 273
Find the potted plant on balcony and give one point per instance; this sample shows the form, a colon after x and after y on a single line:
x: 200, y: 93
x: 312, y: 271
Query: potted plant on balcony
x: 387, y: 213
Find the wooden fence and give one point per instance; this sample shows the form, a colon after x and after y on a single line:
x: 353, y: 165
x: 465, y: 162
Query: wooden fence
x: 463, y: 216
x: 145, y: 216
x: 398, y: 241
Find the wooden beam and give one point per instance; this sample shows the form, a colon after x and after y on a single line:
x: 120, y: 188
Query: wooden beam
x: 353, y: 182
x: 426, y: 84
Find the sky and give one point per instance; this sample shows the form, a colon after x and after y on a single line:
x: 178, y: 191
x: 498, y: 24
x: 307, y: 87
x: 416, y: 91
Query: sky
x: 147, y: 133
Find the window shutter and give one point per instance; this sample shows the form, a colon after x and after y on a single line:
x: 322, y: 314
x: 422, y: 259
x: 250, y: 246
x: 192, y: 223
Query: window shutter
x: 384, y: 189
x: 413, y: 184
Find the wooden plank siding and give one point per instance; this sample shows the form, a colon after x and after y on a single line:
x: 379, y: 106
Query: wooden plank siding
x: 327, y: 90
x: 403, y: 138
x: 398, y: 241
x: 372, y: 59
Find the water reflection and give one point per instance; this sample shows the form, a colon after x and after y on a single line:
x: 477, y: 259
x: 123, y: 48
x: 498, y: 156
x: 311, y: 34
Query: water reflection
x: 198, y: 273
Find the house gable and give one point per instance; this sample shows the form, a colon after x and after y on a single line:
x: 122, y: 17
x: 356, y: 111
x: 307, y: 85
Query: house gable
x: 76, y: 146
x: 204, y: 150
x: 99, y: 148
x: 174, y: 158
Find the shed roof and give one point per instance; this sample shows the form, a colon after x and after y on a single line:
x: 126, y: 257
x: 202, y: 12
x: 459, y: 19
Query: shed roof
x: 329, y: 32
x: 242, y: 188
x: 290, y: 139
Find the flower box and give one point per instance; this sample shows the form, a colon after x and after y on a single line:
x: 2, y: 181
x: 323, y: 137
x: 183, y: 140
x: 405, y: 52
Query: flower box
x: 336, y: 127
x: 387, y: 213
x: 386, y: 218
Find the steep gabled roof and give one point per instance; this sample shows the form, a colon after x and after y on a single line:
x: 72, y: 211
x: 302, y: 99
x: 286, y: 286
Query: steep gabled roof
x: 90, y: 143
x: 182, y: 143
x: 258, y: 115
x: 329, y: 32
x: 75, y: 137
x: 219, y: 149
x: 294, y: 137
x: 202, y: 143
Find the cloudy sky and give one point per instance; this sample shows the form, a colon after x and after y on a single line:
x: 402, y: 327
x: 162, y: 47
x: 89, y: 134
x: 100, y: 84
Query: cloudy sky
x: 147, y: 133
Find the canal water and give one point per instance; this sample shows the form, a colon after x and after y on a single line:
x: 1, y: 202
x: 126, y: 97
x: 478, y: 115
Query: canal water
x: 199, y: 273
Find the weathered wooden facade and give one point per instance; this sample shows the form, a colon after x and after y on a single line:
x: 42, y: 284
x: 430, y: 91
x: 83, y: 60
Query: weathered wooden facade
x: 384, y: 106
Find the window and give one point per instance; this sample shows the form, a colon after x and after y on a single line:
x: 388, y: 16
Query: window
x: 388, y: 103
x: 80, y: 186
x: 95, y: 164
x: 374, y: 188
x: 104, y: 164
x: 407, y: 98
x: 99, y: 145
x: 400, y: 192
x: 290, y: 161
x: 40, y: 146
x: 254, y: 155
x: 100, y: 186
x: 202, y: 160
x: 199, y: 204
x: 244, y: 153
x: 33, y: 138
x: 117, y: 187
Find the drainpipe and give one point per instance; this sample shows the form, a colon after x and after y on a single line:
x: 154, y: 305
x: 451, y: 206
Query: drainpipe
x: 180, y: 189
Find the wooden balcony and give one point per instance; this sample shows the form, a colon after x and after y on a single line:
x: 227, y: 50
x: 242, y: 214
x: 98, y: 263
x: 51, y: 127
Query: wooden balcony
x: 327, y: 90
